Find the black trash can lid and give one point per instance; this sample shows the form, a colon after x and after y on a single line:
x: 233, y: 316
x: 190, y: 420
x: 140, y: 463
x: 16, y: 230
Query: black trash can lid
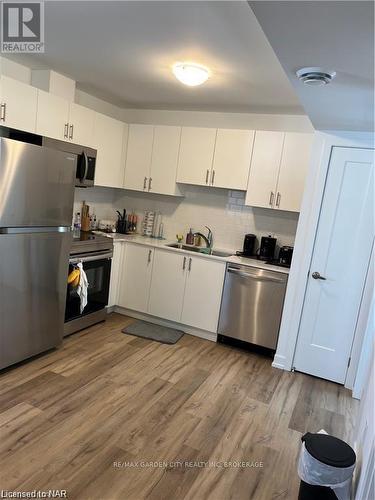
x: 329, y: 450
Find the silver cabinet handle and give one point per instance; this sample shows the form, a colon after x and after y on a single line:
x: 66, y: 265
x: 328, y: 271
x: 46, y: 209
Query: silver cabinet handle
x: 3, y: 111
x: 317, y: 276
x: 189, y: 268
x: 278, y: 198
x: 66, y: 130
x: 150, y: 184
x: 184, y: 264
x: 207, y: 176
x: 71, y: 132
x: 212, y: 177
x: 272, y: 196
x: 145, y: 183
x: 149, y: 256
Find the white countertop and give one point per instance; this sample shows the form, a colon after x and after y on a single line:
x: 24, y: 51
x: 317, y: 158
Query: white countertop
x: 156, y: 243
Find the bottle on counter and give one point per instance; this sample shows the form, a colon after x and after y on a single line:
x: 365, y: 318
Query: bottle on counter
x: 190, y: 237
x: 77, y: 225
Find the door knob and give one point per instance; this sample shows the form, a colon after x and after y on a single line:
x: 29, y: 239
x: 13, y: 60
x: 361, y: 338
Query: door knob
x: 317, y: 276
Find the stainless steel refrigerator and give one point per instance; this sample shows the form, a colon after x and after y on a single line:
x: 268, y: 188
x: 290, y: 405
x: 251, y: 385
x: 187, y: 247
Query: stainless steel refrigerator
x: 36, y: 206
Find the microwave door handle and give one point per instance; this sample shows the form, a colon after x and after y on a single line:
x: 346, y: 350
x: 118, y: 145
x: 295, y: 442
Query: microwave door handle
x: 86, y: 165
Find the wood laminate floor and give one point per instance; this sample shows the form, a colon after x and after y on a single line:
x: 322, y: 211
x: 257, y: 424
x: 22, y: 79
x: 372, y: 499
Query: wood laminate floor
x: 106, y: 398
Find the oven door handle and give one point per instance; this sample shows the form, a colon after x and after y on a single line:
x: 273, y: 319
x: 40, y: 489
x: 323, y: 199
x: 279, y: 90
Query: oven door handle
x: 90, y: 258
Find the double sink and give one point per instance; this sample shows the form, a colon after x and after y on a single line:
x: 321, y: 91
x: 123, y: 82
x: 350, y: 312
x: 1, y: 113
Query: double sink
x: 206, y: 251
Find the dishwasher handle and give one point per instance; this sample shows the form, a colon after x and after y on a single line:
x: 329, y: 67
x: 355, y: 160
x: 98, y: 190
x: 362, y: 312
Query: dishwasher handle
x: 258, y: 277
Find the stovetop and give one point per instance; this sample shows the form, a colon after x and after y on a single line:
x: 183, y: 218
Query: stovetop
x: 88, y: 242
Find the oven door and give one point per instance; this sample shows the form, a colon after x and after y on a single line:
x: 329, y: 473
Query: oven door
x: 98, y: 271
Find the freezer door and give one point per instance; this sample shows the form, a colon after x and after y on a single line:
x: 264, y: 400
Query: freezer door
x: 36, y: 185
x: 33, y: 275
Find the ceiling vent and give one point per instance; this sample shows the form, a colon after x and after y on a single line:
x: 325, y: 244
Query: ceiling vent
x: 315, y: 76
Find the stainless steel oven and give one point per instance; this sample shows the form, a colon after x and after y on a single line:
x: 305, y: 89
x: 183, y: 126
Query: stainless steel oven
x: 95, y: 253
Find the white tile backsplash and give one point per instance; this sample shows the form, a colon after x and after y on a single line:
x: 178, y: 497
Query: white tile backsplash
x: 101, y: 201
x: 224, y: 211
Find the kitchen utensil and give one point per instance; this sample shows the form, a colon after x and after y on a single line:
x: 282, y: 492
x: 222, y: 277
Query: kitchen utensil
x: 267, y: 248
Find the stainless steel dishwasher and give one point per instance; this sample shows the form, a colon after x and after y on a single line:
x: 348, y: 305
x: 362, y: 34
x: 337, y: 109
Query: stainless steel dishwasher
x: 252, y: 305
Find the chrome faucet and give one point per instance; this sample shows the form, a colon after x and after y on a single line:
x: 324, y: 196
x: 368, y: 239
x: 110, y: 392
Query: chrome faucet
x: 207, y: 239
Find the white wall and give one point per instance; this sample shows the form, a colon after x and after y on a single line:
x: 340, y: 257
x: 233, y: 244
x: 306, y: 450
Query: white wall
x: 223, y: 211
x: 290, y: 123
x: 100, y: 200
x: 15, y: 70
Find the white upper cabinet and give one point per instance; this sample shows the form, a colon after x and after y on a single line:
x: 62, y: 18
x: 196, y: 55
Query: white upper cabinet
x: 136, y: 273
x: 232, y: 158
x: 81, y: 124
x: 278, y: 170
x: 293, y: 169
x: 167, y: 285
x: 204, y: 286
x: 196, y: 155
x: 164, y: 160
x: 18, y: 104
x: 108, y: 138
x: 52, y: 118
x: 138, y: 158
x: 264, y: 169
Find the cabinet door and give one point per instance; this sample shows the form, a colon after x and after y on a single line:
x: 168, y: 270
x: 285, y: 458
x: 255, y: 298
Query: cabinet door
x: 232, y: 158
x: 81, y: 124
x: 164, y: 160
x: 264, y: 169
x: 115, y: 274
x: 196, y: 155
x: 204, y: 287
x: 167, y: 285
x: 138, y: 157
x: 136, y: 277
x: 107, y: 139
x: 52, y: 116
x: 293, y: 169
x: 19, y: 103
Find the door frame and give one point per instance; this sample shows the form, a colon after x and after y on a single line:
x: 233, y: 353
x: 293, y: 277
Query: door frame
x: 305, y: 236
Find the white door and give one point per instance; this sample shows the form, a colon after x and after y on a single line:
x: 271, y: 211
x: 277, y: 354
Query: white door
x: 81, y: 124
x: 18, y: 104
x: 264, y: 169
x: 204, y: 287
x: 293, y: 169
x: 115, y: 279
x: 341, y: 256
x: 232, y: 158
x: 138, y: 157
x: 167, y: 285
x: 196, y: 155
x: 108, y: 140
x: 136, y: 277
x: 164, y: 160
x: 52, y: 118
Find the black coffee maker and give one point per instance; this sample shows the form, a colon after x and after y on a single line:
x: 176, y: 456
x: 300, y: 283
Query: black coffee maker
x: 267, y: 248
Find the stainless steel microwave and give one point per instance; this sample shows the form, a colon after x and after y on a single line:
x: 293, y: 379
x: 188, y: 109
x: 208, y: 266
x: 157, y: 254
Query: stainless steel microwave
x: 85, y: 156
x: 86, y: 160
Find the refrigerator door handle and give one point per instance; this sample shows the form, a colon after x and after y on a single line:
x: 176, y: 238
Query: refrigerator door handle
x: 28, y: 230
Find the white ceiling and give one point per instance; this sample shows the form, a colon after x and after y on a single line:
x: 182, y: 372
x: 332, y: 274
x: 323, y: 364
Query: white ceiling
x: 122, y: 51
x: 336, y: 35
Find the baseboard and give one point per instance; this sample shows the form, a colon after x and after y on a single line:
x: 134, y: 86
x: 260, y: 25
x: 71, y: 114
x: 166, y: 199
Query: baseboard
x: 203, y: 334
x: 279, y: 362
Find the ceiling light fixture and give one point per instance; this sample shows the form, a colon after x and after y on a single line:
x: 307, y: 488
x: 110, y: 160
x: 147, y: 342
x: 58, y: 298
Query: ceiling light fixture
x: 190, y: 74
x: 315, y: 76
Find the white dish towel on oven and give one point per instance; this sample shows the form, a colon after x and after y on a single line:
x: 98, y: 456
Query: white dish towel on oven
x: 82, y: 287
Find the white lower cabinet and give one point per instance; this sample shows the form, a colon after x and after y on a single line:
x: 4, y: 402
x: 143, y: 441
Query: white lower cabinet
x: 167, y: 285
x: 136, y: 277
x: 170, y: 285
x: 204, y: 286
x: 115, y: 274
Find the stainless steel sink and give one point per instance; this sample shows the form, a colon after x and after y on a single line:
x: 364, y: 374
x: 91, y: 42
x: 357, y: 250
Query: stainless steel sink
x: 207, y: 251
